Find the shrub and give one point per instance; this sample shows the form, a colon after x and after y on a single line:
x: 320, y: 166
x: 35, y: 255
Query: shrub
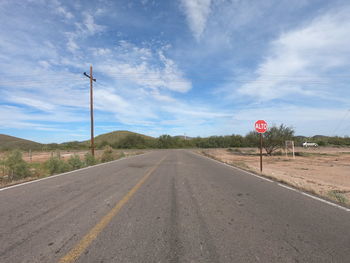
x: 273, y: 139
x: 131, y: 141
x: 102, y: 145
x: 16, y: 166
x: 75, y: 162
x: 107, y: 155
x: 321, y: 143
x: 338, y: 196
x: 56, y: 165
x: 89, y: 159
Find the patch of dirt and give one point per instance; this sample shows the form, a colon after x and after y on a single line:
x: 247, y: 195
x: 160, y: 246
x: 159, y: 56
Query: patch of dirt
x: 65, y: 155
x: 317, y: 170
x: 40, y: 157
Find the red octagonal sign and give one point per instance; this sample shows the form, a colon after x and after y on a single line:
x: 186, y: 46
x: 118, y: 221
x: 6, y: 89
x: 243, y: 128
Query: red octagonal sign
x: 260, y: 126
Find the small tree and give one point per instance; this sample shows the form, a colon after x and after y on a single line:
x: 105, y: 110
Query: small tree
x: 107, y: 155
x: 16, y: 166
x: 275, y: 137
x: 75, y: 162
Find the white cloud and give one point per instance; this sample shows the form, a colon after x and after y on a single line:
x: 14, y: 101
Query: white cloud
x: 101, y: 51
x: 143, y: 67
x: 161, y: 97
x: 91, y: 26
x: 44, y: 64
x: 87, y: 28
x: 72, y: 46
x: 106, y: 100
x: 303, y: 56
x: 305, y: 119
x: 61, y: 10
x: 197, y: 12
x: 18, y: 117
x: 38, y: 104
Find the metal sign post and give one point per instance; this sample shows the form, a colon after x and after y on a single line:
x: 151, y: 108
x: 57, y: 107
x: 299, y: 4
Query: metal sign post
x: 261, y: 145
x: 261, y: 127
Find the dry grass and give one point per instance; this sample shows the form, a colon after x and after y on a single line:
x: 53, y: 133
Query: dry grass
x: 323, y: 171
x: 37, y: 160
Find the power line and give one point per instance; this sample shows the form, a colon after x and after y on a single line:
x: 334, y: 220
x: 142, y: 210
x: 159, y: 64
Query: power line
x: 341, y: 121
x: 240, y: 79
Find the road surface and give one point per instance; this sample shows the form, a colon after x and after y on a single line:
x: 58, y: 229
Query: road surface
x: 167, y: 206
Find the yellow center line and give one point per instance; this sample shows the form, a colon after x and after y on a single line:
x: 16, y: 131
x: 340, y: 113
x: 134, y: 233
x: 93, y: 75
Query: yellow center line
x: 85, y: 242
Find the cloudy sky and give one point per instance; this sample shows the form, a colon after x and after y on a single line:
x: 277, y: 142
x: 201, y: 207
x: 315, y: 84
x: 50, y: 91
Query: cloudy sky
x: 194, y: 67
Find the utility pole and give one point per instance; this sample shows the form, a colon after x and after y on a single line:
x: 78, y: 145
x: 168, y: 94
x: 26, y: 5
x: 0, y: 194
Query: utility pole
x: 91, y: 110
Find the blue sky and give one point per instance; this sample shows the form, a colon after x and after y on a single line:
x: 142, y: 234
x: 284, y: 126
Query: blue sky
x: 194, y: 67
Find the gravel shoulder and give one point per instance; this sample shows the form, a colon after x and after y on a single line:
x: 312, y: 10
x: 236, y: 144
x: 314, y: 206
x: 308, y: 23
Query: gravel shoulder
x: 324, y: 171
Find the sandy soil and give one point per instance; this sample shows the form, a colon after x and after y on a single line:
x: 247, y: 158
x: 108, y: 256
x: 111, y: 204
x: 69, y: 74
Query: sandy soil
x: 44, y: 156
x: 318, y: 170
x: 41, y: 157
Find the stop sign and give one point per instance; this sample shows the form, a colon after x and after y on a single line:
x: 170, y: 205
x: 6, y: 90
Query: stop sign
x: 260, y: 126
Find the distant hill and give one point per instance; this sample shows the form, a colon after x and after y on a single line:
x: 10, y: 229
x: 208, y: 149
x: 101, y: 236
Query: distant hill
x: 114, y: 137
x: 183, y: 137
x: 319, y: 137
x: 10, y: 142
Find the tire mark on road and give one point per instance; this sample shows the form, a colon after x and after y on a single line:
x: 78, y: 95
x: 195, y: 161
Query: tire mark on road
x: 206, y: 243
x: 175, y: 246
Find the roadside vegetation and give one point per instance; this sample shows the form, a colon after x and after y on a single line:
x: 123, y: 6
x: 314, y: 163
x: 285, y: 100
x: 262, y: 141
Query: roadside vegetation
x: 275, y: 136
x: 274, y: 139
x: 14, y: 168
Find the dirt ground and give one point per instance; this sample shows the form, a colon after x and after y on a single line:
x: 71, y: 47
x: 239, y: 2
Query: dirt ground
x: 41, y: 157
x: 38, y: 158
x: 324, y: 171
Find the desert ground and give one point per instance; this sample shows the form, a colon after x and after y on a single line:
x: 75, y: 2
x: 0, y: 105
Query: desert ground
x: 43, y: 156
x: 37, y: 160
x: 324, y: 171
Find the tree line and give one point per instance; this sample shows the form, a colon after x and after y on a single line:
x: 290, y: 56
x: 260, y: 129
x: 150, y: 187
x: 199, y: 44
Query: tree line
x: 273, y: 139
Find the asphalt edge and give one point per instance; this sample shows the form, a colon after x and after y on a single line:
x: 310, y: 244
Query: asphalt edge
x: 284, y: 185
x: 73, y: 171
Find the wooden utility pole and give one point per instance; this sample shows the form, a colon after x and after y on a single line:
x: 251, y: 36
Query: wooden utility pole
x: 91, y: 110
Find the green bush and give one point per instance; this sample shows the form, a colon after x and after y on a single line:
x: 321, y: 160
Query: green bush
x: 16, y: 166
x: 131, y: 141
x: 56, y: 165
x: 75, y: 162
x: 321, y: 143
x: 338, y: 196
x: 102, y: 145
x: 89, y: 159
x: 107, y: 155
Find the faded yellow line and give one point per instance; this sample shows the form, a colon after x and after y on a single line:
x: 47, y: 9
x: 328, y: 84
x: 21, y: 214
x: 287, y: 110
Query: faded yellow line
x: 85, y: 242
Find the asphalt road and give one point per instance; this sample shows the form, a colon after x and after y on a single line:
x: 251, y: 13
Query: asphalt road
x: 167, y: 206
